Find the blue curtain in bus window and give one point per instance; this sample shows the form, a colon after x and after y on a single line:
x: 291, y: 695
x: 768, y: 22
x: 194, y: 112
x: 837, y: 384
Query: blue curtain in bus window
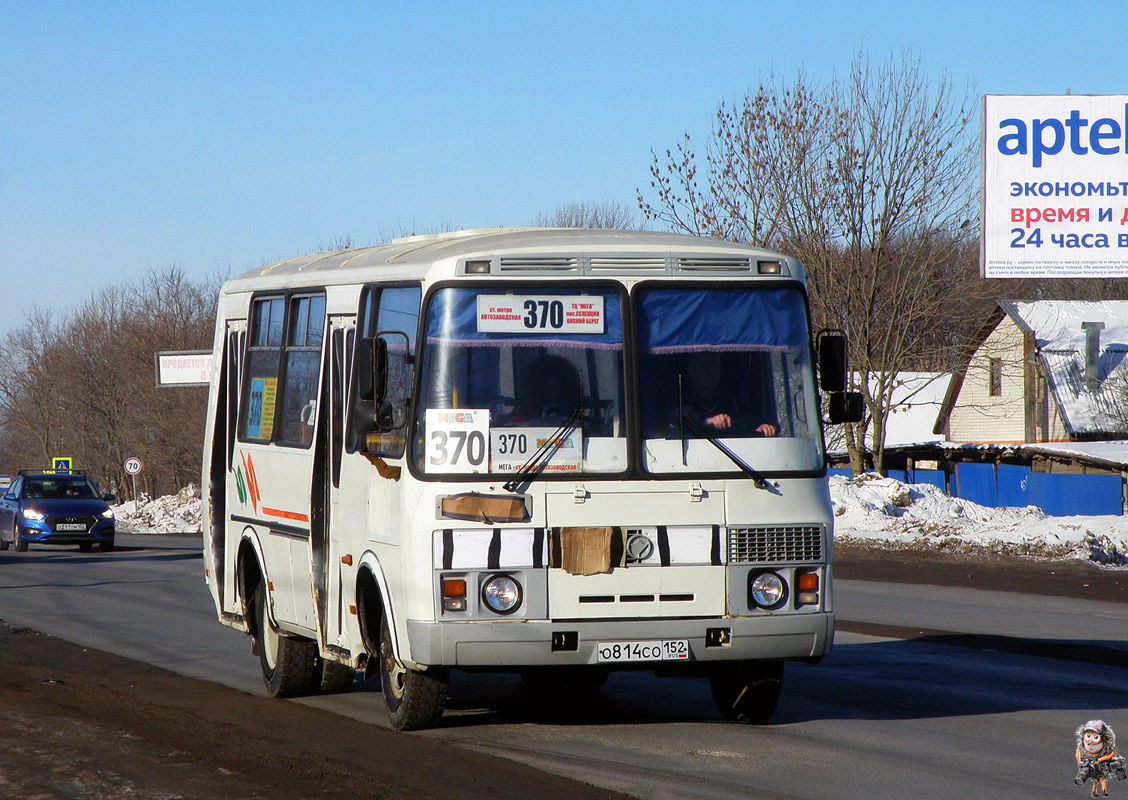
x: 684, y: 320
x: 452, y: 319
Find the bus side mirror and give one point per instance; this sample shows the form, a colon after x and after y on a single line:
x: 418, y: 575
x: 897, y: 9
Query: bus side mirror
x: 365, y: 360
x: 832, y: 360
x: 845, y: 407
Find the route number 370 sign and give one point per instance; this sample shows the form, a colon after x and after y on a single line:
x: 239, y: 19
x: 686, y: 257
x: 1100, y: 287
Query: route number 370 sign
x: 458, y: 440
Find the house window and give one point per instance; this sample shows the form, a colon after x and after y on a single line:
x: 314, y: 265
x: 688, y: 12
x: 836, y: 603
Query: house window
x: 995, y: 377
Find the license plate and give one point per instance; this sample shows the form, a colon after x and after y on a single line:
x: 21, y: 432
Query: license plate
x: 71, y: 526
x: 663, y: 650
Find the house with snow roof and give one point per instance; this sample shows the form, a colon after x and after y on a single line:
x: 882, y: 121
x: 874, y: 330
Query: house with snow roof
x: 1042, y: 371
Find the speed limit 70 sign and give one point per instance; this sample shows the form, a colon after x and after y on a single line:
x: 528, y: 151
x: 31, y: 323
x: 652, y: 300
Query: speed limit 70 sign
x: 133, y: 465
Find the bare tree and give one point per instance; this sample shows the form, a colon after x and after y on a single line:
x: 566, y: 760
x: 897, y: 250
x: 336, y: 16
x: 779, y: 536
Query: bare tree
x: 869, y: 180
x: 81, y: 383
x: 30, y: 392
x: 607, y: 214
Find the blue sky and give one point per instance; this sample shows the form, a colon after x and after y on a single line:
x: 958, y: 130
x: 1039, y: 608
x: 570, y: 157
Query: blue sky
x: 222, y: 135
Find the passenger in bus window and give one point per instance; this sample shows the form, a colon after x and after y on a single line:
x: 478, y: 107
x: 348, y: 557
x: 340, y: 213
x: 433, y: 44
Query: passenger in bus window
x: 707, y: 403
x: 550, y: 392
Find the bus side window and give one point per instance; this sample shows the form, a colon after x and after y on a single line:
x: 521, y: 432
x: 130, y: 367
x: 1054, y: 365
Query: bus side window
x: 261, y: 371
x: 394, y: 308
x: 302, y: 366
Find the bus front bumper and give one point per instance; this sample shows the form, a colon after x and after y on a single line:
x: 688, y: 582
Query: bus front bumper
x: 527, y: 643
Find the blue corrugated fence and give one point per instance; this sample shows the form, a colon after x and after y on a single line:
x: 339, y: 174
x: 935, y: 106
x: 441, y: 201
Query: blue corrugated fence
x: 1014, y: 485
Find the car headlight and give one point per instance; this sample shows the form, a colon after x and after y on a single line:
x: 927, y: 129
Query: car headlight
x: 31, y: 513
x: 767, y: 590
x: 501, y: 594
x: 108, y: 513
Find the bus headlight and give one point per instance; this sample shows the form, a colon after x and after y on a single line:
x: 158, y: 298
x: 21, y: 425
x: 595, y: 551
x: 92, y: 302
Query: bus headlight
x: 767, y: 590
x: 501, y: 594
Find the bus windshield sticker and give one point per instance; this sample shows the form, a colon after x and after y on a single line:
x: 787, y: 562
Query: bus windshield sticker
x: 456, y: 440
x: 510, y: 448
x: 540, y: 314
x: 260, y: 412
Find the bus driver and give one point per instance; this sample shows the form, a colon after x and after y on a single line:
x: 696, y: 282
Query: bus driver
x: 705, y: 403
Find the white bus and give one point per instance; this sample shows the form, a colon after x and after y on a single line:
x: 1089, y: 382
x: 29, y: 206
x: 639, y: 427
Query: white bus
x: 550, y: 452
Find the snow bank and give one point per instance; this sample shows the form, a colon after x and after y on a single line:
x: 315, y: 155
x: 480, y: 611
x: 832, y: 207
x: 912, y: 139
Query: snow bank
x: 884, y: 513
x: 174, y: 513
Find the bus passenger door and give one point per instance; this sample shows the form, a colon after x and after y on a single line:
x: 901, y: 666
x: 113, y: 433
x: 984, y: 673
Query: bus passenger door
x: 326, y: 540
x: 280, y: 406
x: 226, y: 550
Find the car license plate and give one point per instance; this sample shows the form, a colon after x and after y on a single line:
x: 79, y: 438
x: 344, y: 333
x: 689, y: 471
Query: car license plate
x: 71, y: 526
x: 660, y: 650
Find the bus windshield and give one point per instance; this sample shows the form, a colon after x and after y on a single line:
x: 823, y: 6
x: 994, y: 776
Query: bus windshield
x: 730, y: 365
x: 508, y: 371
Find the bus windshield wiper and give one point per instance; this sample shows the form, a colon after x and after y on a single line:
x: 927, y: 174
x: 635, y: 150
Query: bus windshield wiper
x: 529, y: 471
x: 758, y: 479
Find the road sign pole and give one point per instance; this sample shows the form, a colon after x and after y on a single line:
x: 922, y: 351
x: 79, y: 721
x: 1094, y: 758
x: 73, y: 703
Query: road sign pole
x: 132, y: 467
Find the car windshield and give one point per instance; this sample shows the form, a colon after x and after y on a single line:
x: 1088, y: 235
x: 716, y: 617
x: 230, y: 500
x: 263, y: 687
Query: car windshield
x: 55, y: 488
x: 509, y: 370
x: 730, y: 365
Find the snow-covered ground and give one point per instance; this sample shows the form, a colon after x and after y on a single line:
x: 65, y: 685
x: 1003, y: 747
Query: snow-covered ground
x: 882, y: 512
x: 174, y: 513
x: 869, y: 511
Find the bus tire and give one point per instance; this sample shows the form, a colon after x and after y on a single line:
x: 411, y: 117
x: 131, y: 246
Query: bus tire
x: 288, y: 662
x: 747, y: 691
x: 333, y: 677
x: 415, y: 699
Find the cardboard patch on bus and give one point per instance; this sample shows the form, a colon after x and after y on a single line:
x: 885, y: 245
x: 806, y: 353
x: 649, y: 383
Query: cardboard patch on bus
x: 587, y: 551
x: 488, y: 508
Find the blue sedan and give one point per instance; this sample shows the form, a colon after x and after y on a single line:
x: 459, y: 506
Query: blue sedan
x: 55, y: 508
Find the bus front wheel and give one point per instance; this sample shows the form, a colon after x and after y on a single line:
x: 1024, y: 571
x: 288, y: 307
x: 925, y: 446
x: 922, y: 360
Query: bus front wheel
x: 747, y: 691
x: 415, y: 698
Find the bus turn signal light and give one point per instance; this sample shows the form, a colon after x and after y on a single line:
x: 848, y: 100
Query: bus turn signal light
x: 808, y: 585
x: 454, y: 594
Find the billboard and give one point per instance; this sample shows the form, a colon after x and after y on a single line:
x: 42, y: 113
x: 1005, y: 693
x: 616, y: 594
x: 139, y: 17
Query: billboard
x: 184, y: 368
x: 1055, y: 186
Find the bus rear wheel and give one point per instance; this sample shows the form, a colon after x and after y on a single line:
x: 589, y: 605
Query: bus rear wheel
x: 747, y: 691
x: 415, y: 698
x: 288, y: 662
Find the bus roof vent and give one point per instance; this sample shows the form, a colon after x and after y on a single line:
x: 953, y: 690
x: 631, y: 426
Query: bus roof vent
x: 714, y: 265
x: 648, y: 265
x: 540, y: 264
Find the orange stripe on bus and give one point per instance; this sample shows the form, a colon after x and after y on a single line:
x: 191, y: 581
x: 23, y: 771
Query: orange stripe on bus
x: 274, y: 512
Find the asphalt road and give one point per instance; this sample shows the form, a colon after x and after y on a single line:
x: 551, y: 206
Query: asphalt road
x: 935, y: 687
